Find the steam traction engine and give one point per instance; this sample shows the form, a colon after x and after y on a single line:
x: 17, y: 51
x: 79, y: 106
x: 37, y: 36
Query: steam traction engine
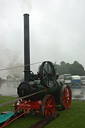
x: 52, y: 90
x: 55, y: 93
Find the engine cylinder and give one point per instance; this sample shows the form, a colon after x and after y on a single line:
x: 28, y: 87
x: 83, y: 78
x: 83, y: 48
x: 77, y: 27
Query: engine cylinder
x: 26, y: 88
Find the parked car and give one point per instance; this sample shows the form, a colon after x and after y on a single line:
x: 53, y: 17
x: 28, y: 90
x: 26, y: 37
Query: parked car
x: 82, y: 80
x: 76, y: 80
x: 66, y: 78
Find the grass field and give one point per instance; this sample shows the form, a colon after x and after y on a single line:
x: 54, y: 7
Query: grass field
x: 71, y: 118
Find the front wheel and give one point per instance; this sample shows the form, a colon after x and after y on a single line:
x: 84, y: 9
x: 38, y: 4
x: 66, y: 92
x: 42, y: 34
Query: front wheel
x: 65, y: 97
x: 48, y: 105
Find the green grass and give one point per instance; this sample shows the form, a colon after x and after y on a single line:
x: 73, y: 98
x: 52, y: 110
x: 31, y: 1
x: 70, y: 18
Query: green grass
x: 71, y: 118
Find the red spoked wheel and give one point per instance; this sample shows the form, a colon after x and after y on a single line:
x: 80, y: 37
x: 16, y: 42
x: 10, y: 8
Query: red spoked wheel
x: 66, y: 97
x: 48, y: 105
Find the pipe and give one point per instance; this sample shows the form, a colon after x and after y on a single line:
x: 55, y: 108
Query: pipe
x: 26, y: 48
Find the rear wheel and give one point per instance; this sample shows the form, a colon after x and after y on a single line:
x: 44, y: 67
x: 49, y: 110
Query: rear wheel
x: 48, y: 105
x: 66, y: 97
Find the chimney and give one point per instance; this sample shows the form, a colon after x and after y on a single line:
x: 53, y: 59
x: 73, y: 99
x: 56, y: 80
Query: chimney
x: 26, y: 49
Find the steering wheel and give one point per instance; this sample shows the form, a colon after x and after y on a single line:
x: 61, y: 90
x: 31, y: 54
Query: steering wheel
x: 47, y: 74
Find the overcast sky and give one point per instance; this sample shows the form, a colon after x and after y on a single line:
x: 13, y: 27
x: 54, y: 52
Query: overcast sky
x: 57, y: 31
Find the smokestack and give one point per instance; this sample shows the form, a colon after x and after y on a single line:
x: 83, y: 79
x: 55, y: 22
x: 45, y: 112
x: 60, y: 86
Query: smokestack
x: 26, y: 48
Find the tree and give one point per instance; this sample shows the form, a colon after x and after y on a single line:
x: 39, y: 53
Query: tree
x: 74, y: 69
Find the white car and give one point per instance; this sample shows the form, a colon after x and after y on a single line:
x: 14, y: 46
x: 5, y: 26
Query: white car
x: 83, y: 80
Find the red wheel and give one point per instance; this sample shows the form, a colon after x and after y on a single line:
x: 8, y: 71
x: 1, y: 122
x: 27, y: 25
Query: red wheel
x: 48, y: 105
x: 66, y: 96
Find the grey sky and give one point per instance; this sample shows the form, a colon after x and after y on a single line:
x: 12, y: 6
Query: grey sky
x: 57, y: 31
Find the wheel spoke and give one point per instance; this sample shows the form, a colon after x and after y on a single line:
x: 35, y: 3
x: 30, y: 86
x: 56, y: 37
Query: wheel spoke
x: 50, y: 72
x: 46, y: 106
x: 46, y: 80
x: 50, y: 100
x: 67, y: 96
x: 68, y: 91
x: 65, y: 103
x: 45, y: 76
x: 49, y: 68
x: 45, y: 71
x: 65, y: 91
x: 51, y: 77
x: 50, y: 110
x: 67, y: 100
x: 52, y: 80
x: 46, y: 112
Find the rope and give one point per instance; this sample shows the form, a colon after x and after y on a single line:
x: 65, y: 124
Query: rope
x: 19, y: 66
x: 27, y: 96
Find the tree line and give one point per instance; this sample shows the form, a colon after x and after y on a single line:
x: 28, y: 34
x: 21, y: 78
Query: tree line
x: 66, y: 68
